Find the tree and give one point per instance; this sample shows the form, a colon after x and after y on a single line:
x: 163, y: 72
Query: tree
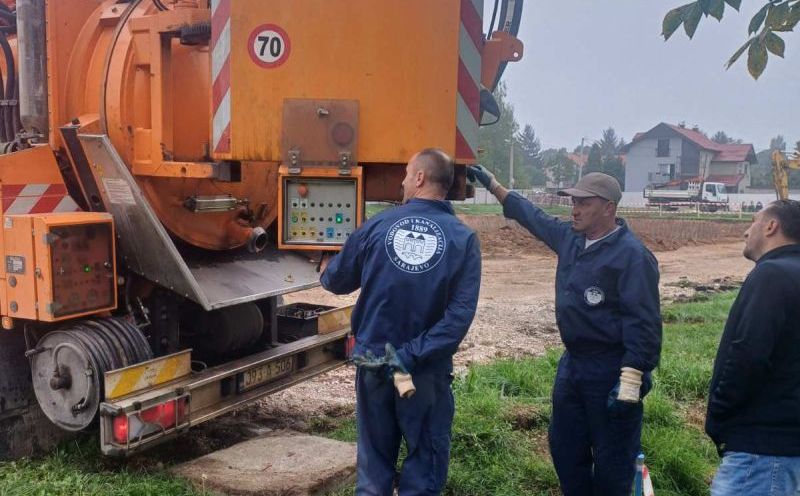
x: 594, y: 160
x: 560, y: 168
x: 774, y: 17
x: 777, y: 143
x: 531, y: 153
x: 761, y: 171
x: 610, y: 164
x: 722, y: 138
x: 797, y: 147
x: 493, y: 140
x: 608, y: 143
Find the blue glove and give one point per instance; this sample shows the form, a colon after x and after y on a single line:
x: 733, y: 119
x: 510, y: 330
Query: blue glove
x: 625, y: 399
x: 393, y: 361
x: 482, y: 175
x: 619, y: 409
x: 369, y: 361
x: 389, y: 363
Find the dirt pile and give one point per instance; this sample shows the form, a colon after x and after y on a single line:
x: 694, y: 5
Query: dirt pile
x: 502, y: 237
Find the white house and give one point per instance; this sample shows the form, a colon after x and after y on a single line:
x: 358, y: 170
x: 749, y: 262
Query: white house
x: 667, y: 153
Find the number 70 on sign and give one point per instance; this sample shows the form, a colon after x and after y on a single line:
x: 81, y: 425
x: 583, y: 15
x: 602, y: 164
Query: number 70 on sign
x: 269, y: 46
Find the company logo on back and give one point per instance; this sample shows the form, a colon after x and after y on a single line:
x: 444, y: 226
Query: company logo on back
x: 415, y: 244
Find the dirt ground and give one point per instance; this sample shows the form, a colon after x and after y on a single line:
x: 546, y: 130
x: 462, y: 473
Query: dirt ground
x: 515, y: 316
x: 516, y: 311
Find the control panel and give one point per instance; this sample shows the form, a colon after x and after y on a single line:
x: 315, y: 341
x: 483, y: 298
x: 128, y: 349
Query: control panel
x: 64, y: 270
x: 319, y: 212
x: 82, y: 263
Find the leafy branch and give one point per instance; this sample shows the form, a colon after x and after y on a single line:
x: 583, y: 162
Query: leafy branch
x: 776, y: 16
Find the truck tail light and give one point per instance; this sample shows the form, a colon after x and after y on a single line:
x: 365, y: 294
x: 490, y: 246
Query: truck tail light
x: 121, y: 429
x: 133, y: 426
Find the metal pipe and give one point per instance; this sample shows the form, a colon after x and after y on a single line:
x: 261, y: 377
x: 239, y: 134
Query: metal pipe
x: 32, y: 67
x: 254, y: 238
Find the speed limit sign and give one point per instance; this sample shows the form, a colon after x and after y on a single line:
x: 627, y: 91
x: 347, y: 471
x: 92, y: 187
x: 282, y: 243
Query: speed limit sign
x: 269, y: 46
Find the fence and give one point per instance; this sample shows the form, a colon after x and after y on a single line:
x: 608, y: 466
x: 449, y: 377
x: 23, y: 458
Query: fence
x: 635, y: 204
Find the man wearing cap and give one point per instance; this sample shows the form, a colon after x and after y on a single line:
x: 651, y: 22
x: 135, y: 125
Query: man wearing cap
x: 607, y: 311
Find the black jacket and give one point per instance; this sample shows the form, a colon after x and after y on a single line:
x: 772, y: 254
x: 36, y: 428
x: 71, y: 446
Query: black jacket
x: 754, y: 400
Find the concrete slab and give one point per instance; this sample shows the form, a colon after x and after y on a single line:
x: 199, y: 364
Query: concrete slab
x: 284, y: 464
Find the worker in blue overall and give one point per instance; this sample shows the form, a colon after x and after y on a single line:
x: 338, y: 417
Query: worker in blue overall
x: 419, y: 269
x: 607, y: 311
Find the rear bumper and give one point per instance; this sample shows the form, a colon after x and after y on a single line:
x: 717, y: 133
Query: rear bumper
x: 221, y: 389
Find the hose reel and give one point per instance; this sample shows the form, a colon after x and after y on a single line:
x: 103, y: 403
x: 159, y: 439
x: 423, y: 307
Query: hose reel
x: 68, y: 367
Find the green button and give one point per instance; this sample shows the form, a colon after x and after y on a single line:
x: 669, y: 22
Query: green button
x: 294, y: 219
x: 339, y: 218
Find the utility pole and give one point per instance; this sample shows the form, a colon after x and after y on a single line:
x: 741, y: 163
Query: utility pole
x: 580, y: 166
x: 511, y: 163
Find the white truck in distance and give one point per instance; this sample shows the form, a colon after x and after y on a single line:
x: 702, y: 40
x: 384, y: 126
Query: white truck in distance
x: 707, y: 196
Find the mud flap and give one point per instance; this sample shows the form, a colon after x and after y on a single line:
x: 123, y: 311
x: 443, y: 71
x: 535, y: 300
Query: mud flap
x: 24, y: 429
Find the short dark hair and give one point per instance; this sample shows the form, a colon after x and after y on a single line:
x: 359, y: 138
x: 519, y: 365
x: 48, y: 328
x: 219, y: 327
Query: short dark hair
x: 787, y: 213
x: 438, y: 167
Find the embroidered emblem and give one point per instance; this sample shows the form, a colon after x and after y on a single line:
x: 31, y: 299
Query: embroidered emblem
x: 594, y: 296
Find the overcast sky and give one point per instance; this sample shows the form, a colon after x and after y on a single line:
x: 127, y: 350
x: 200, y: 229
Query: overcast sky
x: 591, y: 64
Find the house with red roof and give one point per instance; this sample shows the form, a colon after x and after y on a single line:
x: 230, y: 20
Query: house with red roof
x: 668, y: 153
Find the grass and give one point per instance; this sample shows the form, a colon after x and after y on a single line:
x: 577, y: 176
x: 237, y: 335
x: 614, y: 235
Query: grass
x: 503, y: 409
x: 77, y: 468
x: 499, y: 433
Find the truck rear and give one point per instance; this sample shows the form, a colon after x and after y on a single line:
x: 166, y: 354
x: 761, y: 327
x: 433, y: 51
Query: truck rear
x: 170, y: 168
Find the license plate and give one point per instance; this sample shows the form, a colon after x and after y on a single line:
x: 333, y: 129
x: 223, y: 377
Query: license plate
x: 265, y: 373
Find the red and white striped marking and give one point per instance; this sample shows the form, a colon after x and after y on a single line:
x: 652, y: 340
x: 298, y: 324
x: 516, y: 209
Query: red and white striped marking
x: 469, y: 78
x: 36, y: 199
x: 221, y: 75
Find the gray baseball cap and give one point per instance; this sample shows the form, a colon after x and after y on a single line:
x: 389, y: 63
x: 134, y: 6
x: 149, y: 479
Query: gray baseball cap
x: 595, y: 184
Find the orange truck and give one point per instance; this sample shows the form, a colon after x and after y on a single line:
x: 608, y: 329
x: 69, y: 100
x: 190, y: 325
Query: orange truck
x: 170, y: 168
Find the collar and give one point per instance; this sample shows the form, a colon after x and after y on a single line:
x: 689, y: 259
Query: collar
x: 783, y: 251
x: 610, y: 238
x: 443, y: 205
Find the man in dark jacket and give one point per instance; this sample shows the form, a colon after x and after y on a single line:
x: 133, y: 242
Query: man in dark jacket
x: 419, y: 271
x: 754, y: 401
x: 607, y: 311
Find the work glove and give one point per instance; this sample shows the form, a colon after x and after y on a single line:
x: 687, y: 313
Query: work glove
x: 369, y: 361
x: 482, y: 175
x: 390, y: 364
x: 626, y: 398
x: 402, y: 379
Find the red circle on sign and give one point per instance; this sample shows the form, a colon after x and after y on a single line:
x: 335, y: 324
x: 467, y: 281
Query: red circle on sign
x: 264, y: 55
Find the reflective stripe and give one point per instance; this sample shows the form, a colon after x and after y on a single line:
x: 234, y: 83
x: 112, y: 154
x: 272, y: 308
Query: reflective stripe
x: 125, y: 381
x: 222, y: 120
x: 20, y: 199
x: 220, y: 74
